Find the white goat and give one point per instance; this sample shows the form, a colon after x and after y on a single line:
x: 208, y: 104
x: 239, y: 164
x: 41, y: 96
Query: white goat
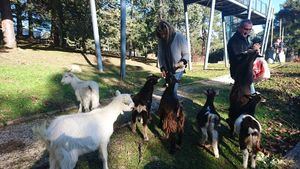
x: 87, y: 92
x: 70, y: 136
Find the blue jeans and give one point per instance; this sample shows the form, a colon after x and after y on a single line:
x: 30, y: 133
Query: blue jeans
x: 252, y: 89
x: 178, y: 76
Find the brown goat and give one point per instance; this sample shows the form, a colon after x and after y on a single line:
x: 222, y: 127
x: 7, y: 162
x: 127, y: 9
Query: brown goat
x: 171, y: 114
x: 241, y: 87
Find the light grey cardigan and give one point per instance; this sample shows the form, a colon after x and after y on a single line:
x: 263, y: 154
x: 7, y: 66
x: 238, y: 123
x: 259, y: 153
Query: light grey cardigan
x: 179, y: 49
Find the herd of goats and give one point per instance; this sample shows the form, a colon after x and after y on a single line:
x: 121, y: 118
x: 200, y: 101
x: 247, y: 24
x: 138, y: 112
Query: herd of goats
x: 69, y: 136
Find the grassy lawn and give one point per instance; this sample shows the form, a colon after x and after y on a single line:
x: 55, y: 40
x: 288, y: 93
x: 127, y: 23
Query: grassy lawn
x: 30, y: 84
x: 30, y: 80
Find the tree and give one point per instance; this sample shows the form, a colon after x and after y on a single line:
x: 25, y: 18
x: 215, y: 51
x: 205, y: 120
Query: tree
x: 7, y: 25
x: 290, y: 15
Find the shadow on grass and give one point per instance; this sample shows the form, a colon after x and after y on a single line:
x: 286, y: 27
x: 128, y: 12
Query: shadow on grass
x: 158, y: 165
x: 87, y: 60
x: 145, y: 60
x: 89, y: 160
x: 191, y: 155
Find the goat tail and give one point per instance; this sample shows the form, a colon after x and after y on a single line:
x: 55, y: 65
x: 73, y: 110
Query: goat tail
x: 40, y: 133
x: 170, y: 123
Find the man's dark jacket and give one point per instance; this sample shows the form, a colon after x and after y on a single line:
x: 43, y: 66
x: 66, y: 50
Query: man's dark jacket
x: 237, y: 44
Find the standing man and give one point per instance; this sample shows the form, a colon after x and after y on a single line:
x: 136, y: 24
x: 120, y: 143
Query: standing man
x: 173, y: 53
x: 239, y: 43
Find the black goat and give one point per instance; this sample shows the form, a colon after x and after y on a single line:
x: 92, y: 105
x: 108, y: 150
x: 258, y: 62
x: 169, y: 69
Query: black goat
x: 171, y: 114
x: 208, y: 119
x: 142, y: 105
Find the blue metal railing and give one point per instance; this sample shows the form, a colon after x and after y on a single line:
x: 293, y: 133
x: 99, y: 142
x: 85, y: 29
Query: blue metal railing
x: 258, y: 5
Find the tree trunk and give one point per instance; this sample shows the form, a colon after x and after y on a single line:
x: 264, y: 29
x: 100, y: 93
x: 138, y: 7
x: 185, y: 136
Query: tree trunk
x: 7, y: 25
x: 160, y: 15
x: 30, y: 22
x: 19, y: 20
x: 57, y: 23
x: 30, y: 25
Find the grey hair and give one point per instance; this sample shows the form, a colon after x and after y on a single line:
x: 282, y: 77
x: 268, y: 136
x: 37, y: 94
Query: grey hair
x: 244, y: 22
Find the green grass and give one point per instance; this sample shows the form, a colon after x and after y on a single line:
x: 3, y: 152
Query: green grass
x: 32, y: 86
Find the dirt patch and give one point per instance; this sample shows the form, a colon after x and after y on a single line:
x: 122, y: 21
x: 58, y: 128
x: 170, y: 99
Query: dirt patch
x: 11, y: 145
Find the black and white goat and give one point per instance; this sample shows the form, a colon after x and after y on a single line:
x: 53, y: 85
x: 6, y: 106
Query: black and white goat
x: 247, y: 127
x: 208, y: 119
x: 248, y: 108
x: 142, y: 105
x: 171, y: 114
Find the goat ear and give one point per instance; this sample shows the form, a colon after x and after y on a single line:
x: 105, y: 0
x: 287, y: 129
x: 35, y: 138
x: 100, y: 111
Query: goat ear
x: 205, y: 92
x: 118, y: 92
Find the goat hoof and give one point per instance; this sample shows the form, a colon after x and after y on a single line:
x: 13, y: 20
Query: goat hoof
x: 164, y: 138
x: 146, y: 139
x: 207, y: 145
x: 204, y: 144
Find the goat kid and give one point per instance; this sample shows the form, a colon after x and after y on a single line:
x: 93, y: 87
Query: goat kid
x: 142, y: 105
x: 171, y: 114
x: 248, y: 108
x: 70, y: 136
x: 249, y: 131
x: 208, y: 119
x: 87, y: 92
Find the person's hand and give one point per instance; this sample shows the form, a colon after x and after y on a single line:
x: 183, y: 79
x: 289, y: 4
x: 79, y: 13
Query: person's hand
x: 163, y: 74
x: 179, y: 65
x: 256, y: 47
